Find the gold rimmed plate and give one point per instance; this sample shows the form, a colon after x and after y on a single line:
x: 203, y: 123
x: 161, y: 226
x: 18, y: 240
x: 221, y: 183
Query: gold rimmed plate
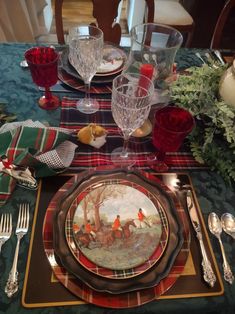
x: 120, y: 222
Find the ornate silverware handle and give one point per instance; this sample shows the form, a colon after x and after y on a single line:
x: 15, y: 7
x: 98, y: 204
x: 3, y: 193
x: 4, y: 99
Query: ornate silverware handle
x: 208, y: 273
x: 228, y: 275
x: 12, y: 282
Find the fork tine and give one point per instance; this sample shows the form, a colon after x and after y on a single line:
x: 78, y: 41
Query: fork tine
x: 27, y: 216
x: 7, y: 223
x: 10, y: 224
x: 4, y: 223
x: 24, y: 216
x: 19, y: 217
x: 1, y: 223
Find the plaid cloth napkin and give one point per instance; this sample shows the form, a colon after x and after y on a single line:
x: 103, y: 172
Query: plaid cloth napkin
x: 45, y: 150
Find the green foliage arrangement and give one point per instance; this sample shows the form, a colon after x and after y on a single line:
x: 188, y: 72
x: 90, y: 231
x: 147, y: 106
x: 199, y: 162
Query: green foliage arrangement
x: 5, y: 116
x: 213, y: 140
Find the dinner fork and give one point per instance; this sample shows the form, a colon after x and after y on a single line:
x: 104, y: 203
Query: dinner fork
x: 21, y: 230
x: 5, y: 228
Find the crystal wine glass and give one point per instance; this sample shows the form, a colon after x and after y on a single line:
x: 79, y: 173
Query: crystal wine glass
x: 172, y: 125
x: 42, y: 63
x: 86, y: 53
x: 131, y: 97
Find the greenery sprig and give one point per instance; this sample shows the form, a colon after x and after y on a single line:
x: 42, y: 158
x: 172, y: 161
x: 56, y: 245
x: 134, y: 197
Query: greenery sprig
x: 213, y: 140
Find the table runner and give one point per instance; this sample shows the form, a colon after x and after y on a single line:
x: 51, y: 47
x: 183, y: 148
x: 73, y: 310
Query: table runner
x: 87, y: 156
x: 42, y: 289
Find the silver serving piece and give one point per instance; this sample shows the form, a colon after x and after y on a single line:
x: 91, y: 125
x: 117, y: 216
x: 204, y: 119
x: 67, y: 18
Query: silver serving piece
x: 219, y: 56
x: 21, y: 229
x: 228, y: 224
x: 200, y: 57
x: 216, y: 229
x: 208, y: 273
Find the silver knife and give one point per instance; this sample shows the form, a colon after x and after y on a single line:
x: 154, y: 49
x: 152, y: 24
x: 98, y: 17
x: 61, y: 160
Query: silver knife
x: 208, y: 273
x: 219, y: 56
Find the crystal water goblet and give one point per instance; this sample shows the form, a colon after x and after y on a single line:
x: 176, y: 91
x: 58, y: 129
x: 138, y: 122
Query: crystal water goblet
x: 172, y: 125
x: 131, y: 98
x: 43, y: 62
x: 86, y: 53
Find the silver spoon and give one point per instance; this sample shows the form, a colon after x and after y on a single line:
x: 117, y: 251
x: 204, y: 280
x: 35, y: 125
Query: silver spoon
x: 228, y: 224
x: 200, y: 57
x: 216, y: 229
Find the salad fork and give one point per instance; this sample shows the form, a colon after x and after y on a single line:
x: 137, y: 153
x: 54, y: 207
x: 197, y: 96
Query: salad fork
x: 21, y: 230
x: 5, y: 228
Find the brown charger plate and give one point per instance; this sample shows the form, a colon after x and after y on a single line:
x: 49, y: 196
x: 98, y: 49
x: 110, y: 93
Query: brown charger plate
x: 78, y: 85
x: 149, y: 278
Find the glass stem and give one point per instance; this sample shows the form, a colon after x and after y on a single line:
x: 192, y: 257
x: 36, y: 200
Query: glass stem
x: 125, y: 146
x: 47, y: 93
x: 87, y: 91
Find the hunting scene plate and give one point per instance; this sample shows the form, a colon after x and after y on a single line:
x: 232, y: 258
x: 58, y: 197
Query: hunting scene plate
x: 118, y: 226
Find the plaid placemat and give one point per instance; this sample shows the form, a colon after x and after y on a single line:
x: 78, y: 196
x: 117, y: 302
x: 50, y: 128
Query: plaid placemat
x: 43, y: 289
x: 87, y: 156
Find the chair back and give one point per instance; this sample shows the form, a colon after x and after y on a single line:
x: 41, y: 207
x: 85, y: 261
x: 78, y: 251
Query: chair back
x: 221, y: 21
x: 105, y: 13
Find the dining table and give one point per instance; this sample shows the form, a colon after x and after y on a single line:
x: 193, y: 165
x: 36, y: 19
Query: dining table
x: 19, y: 96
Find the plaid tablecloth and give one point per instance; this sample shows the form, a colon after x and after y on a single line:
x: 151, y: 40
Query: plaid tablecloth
x: 87, y: 156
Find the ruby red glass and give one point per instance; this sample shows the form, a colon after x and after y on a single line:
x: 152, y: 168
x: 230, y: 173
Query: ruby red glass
x: 43, y: 63
x: 172, y: 125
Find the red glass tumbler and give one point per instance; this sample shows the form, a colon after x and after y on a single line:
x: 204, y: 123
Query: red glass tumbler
x: 172, y: 125
x: 42, y: 63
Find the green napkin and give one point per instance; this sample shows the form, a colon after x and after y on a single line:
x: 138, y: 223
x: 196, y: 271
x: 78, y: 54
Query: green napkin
x: 37, y: 148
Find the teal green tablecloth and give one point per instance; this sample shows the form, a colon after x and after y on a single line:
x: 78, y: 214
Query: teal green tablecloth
x: 20, y: 96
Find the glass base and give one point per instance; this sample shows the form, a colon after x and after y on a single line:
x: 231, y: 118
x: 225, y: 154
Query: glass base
x: 156, y: 164
x: 123, y: 160
x: 160, y: 166
x: 87, y: 106
x: 49, y: 104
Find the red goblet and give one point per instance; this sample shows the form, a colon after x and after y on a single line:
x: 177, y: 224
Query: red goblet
x: 172, y: 125
x: 42, y: 63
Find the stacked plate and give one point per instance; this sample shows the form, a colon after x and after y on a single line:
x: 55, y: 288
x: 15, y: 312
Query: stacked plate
x: 113, y: 63
x: 117, y: 237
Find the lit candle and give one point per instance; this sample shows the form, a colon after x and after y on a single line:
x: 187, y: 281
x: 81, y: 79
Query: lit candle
x: 146, y: 70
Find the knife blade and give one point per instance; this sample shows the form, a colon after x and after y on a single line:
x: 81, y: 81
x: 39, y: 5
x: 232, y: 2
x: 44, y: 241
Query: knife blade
x: 219, y: 56
x: 208, y: 273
